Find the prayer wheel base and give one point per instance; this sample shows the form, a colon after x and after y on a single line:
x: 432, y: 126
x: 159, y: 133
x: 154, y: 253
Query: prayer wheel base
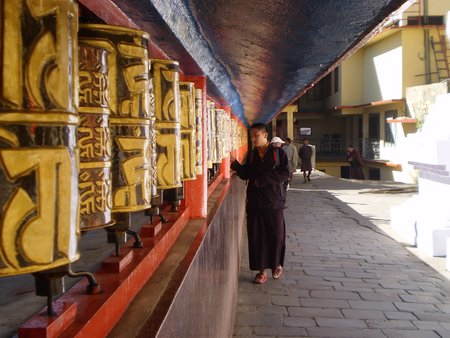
x: 117, y: 234
x: 43, y: 326
x: 94, y: 317
x: 155, y: 212
x: 116, y: 264
x: 151, y: 230
x: 50, y: 282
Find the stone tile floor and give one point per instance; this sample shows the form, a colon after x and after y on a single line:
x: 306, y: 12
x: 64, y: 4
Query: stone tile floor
x: 346, y: 273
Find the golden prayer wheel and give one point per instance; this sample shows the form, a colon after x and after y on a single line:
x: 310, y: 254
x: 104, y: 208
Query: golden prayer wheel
x: 38, y: 121
x: 212, y: 147
x: 156, y: 194
x: 223, y: 134
x: 130, y: 116
x: 188, y: 131
x: 227, y: 139
x: 94, y: 138
x: 242, y: 135
x: 130, y: 120
x: 219, y: 134
x: 199, y: 132
x: 167, y: 112
x: 234, y: 135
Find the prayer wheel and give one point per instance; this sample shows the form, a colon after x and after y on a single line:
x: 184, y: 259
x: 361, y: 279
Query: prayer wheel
x: 222, y: 135
x: 168, y: 130
x: 94, y: 138
x: 130, y: 116
x: 155, y: 193
x: 234, y: 135
x: 219, y: 134
x: 242, y: 135
x: 212, y: 147
x: 38, y: 125
x: 188, y: 131
x: 227, y: 139
x: 199, y: 132
x: 167, y: 114
x: 130, y: 120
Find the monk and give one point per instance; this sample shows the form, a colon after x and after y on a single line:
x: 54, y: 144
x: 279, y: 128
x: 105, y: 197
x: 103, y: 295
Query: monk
x: 291, y: 152
x: 305, y: 153
x: 356, y: 163
x: 266, y: 168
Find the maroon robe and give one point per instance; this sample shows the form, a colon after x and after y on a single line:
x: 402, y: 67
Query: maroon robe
x: 356, y: 165
x: 265, y: 205
x: 305, y: 153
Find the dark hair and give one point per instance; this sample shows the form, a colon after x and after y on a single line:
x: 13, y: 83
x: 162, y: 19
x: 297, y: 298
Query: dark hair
x: 260, y: 126
x: 305, y: 138
x: 288, y: 140
x: 350, y: 146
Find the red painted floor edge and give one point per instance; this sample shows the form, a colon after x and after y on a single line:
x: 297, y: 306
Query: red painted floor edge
x: 97, y: 314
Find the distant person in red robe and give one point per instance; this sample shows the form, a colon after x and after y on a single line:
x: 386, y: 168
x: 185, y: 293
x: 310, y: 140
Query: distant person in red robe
x: 356, y: 163
x: 266, y: 169
x: 305, y: 153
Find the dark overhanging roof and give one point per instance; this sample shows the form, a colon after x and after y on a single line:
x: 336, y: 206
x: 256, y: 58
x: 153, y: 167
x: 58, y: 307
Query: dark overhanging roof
x: 258, y: 55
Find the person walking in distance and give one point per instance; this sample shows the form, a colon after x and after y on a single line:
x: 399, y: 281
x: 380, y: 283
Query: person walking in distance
x: 356, y: 163
x: 277, y: 142
x: 292, y: 155
x: 305, y: 153
x: 265, y: 168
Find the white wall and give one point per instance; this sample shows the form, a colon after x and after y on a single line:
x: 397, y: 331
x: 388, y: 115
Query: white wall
x: 383, y: 66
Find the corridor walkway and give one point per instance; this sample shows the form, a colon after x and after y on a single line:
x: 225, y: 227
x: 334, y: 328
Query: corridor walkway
x: 344, y: 276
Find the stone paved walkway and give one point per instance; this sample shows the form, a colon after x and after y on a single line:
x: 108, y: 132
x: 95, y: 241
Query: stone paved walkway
x: 343, y: 275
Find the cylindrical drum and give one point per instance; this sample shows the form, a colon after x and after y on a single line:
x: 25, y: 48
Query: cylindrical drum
x: 199, y: 131
x: 130, y: 117
x: 242, y: 135
x: 154, y: 192
x: 188, y: 130
x: 94, y: 138
x: 234, y: 134
x: 212, y: 146
x: 219, y: 134
x: 38, y: 120
x: 227, y: 135
x: 167, y: 112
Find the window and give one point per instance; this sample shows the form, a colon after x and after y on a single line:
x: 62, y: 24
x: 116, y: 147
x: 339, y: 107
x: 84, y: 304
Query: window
x: 389, y: 128
x: 428, y: 20
x: 305, y: 131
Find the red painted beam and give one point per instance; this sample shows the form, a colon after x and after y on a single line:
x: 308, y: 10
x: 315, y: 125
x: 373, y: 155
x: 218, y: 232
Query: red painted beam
x: 97, y: 314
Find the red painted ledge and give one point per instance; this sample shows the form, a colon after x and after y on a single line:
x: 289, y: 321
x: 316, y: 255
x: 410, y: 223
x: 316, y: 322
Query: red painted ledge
x: 401, y: 120
x: 97, y: 314
x: 381, y: 163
